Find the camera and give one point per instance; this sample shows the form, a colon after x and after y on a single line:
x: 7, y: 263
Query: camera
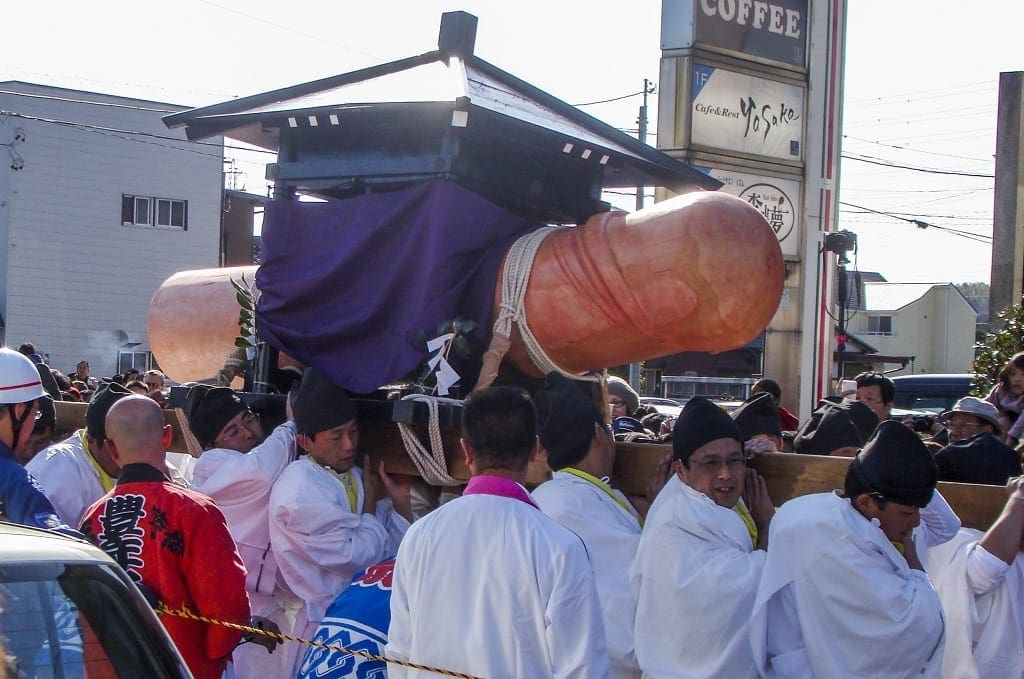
x: 923, y: 423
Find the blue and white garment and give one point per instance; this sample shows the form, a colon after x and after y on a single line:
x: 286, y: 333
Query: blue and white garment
x: 357, y: 619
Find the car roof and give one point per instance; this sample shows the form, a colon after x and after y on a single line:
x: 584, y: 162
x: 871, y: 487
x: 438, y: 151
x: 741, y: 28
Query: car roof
x: 24, y: 544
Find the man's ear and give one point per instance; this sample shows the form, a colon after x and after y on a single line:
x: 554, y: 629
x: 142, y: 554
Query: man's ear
x: 168, y: 435
x: 537, y: 451
x: 679, y: 469
x: 865, y: 504
x: 470, y: 458
x: 112, y: 451
x: 304, y: 441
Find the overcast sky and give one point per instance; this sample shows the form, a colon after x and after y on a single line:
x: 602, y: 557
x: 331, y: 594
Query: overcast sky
x: 921, y: 84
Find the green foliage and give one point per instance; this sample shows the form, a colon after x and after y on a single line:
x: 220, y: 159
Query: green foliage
x: 246, y: 294
x: 993, y: 353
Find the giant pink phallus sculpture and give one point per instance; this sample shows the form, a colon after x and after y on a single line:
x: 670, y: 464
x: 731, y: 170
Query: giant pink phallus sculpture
x: 699, y: 272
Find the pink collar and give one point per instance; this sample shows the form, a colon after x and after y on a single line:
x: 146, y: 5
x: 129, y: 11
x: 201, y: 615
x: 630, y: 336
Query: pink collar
x: 485, y: 484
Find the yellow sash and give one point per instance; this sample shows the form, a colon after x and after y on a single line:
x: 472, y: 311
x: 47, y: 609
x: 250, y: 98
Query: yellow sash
x: 604, y: 488
x: 349, y: 485
x: 744, y: 513
x: 106, y: 481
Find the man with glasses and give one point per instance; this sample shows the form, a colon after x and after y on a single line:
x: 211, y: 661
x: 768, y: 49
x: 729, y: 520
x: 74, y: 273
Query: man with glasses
x: 698, y: 565
x: 238, y: 467
x: 975, y: 454
x: 21, y: 499
x: 844, y: 593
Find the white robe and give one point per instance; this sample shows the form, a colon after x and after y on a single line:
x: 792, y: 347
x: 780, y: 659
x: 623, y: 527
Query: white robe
x: 69, y: 480
x: 492, y: 587
x: 939, y: 524
x: 320, y: 543
x: 985, y: 623
x: 611, y: 534
x: 240, y: 484
x: 695, y: 577
x: 837, y: 599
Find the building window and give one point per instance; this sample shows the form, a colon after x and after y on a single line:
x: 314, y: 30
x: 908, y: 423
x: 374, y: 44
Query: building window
x: 140, y: 360
x: 149, y: 211
x: 879, y: 325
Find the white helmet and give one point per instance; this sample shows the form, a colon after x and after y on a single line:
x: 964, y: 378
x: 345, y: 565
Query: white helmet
x: 19, y: 379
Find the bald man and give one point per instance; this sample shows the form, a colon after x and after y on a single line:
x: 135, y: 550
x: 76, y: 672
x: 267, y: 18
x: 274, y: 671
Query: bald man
x: 173, y: 542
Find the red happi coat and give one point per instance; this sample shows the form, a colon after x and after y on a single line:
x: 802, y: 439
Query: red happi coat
x: 176, y: 544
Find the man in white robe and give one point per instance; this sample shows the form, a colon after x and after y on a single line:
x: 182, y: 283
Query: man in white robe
x: 980, y: 580
x: 697, y: 568
x: 487, y: 584
x: 843, y: 591
x: 78, y: 471
x: 238, y: 467
x: 326, y: 523
x: 581, y: 450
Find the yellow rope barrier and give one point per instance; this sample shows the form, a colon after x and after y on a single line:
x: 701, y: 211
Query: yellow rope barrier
x: 184, y: 612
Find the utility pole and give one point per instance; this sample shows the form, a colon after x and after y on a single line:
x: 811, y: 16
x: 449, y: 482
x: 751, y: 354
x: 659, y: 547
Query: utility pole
x: 1007, y: 283
x: 641, y: 122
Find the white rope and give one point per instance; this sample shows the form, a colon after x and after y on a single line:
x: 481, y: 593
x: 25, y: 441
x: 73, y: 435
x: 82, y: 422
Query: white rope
x: 433, y: 466
x: 515, y: 279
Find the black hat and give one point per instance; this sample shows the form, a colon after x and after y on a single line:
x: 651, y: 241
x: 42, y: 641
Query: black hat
x: 209, y: 409
x: 896, y: 464
x: 835, y: 425
x: 319, y: 404
x: 96, y: 414
x: 700, y: 423
x: 567, y: 417
x: 758, y: 415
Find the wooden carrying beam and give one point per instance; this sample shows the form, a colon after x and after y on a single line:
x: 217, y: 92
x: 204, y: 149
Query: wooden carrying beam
x: 787, y: 475
x: 71, y: 417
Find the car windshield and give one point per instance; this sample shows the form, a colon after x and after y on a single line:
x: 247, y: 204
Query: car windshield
x: 60, y: 620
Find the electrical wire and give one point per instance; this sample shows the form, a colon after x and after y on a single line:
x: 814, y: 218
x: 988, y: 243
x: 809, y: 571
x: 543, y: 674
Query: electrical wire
x: 978, y: 237
x: 915, y: 168
x: 605, y: 101
x: 89, y: 127
x: 105, y: 104
x: 930, y: 153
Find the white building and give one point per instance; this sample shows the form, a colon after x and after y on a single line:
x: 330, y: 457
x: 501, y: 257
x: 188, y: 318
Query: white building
x: 931, y: 324
x: 99, y: 203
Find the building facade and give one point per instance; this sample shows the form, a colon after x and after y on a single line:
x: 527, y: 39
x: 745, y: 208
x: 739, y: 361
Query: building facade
x: 98, y: 205
x: 930, y: 325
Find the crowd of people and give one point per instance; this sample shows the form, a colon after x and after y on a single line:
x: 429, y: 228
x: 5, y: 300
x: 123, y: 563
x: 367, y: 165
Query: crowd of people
x: 281, y: 525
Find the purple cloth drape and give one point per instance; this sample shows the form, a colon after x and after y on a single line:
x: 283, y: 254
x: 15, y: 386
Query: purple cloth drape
x: 346, y: 286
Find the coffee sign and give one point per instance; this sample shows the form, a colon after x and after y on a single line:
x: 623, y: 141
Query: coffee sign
x: 774, y: 30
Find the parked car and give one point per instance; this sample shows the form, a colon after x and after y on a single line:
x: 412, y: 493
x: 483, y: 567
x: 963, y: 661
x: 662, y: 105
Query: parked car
x: 933, y: 393
x: 68, y: 610
x: 665, y: 406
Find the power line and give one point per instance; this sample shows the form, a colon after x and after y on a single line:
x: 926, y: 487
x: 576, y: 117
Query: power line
x: 292, y: 29
x: 605, y: 101
x: 114, y: 132
x: 967, y: 87
x: 105, y: 104
x: 981, y: 238
x: 885, y: 163
x: 905, y: 148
